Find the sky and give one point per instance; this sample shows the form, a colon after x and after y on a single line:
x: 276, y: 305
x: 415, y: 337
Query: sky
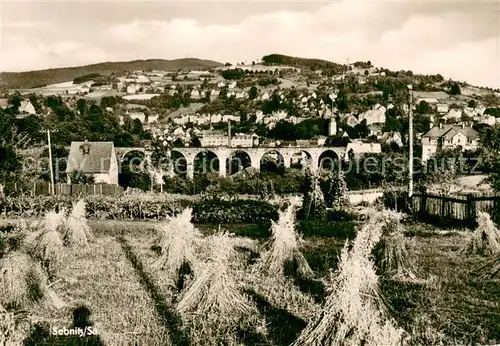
x: 460, y: 40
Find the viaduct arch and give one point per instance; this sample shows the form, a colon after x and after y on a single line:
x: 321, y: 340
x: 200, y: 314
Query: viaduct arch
x: 255, y: 153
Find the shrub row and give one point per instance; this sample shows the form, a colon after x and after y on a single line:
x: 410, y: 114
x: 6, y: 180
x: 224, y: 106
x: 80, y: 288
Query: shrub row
x: 246, y: 211
x: 137, y: 208
x: 319, y: 228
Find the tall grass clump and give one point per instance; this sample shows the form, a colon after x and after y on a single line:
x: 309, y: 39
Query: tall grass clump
x: 23, y: 283
x: 177, y: 242
x: 212, y: 305
x: 353, y: 313
x: 77, y: 231
x: 284, y: 246
x: 485, y: 240
x: 391, y: 253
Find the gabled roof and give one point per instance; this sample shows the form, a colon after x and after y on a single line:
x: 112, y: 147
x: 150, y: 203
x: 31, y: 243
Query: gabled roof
x: 449, y: 131
x: 98, y: 159
x: 437, y: 132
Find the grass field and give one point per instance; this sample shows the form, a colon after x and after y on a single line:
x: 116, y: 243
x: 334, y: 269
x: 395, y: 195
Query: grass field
x: 132, y: 302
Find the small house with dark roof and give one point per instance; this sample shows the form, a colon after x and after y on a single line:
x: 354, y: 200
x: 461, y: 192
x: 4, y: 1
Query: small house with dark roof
x: 448, y: 136
x: 94, y: 158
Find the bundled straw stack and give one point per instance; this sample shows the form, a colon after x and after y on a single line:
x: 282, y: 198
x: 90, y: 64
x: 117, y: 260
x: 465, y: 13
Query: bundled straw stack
x: 46, y: 244
x: 177, y: 241
x: 24, y: 284
x: 485, y: 241
x: 392, y: 256
x: 486, y: 238
x: 283, y: 246
x: 213, y: 298
x: 77, y: 231
x: 353, y: 313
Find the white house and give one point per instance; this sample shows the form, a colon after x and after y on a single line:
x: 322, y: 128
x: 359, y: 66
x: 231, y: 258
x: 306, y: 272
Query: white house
x: 137, y: 115
x: 131, y: 89
x: 374, y: 116
x: 227, y: 118
x: 244, y: 140
x: 448, y: 136
x: 392, y: 137
x: 152, y: 119
x: 26, y: 108
x: 213, y: 138
x: 97, y: 159
x: 455, y: 114
x: 141, y: 79
x: 232, y: 85
x: 487, y: 119
x: 195, y: 94
x: 359, y: 148
x: 443, y: 108
x: 350, y: 120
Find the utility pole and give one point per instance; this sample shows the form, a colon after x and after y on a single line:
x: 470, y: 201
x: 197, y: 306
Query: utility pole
x: 410, y: 162
x: 52, y: 190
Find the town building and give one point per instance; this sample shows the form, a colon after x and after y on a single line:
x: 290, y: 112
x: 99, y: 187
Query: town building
x: 448, y: 136
x: 357, y: 149
x: 26, y: 107
x: 97, y: 159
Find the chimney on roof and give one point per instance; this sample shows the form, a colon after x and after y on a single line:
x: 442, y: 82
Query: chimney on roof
x: 440, y: 125
x: 463, y: 124
x: 86, y: 147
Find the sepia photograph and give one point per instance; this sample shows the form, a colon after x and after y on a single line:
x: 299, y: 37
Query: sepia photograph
x: 250, y: 173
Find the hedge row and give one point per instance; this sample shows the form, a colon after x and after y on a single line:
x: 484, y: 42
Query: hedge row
x: 139, y: 208
x: 247, y: 211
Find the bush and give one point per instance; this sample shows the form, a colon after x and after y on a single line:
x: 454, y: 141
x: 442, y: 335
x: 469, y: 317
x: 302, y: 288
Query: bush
x: 318, y: 228
x: 249, y: 211
x: 397, y: 201
x: 341, y: 215
x: 144, y: 208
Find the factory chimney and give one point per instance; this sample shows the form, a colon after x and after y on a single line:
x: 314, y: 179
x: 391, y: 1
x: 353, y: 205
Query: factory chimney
x: 229, y: 133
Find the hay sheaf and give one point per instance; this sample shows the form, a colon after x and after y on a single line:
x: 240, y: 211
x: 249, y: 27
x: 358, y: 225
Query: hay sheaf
x: 392, y: 256
x: 23, y: 283
x: 284, y: 246
x: 177, y: 241
x: 485, y: 240
x: 214, y: 298
x: 77, y: 232
x: 354, y: 312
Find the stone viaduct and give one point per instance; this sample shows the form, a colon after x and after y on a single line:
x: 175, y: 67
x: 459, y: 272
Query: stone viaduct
x: 223, y: 153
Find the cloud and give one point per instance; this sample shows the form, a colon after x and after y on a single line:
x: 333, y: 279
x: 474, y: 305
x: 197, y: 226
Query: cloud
x: 21, y: 53
x: 447, y: 38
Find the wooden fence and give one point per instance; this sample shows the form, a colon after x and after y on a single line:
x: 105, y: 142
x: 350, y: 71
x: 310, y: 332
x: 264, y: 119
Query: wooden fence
x: 455, y: 210
x: 73, y: 189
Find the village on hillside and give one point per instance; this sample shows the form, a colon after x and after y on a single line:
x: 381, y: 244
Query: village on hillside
x: 262, y: 104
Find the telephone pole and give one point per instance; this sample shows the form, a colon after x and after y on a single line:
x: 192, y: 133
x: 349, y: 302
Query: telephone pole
x: 52, y: 190
x: 410, y: 140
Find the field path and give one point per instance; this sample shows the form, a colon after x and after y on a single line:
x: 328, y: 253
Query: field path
x: 101, y: 278
x: 167, y: 314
